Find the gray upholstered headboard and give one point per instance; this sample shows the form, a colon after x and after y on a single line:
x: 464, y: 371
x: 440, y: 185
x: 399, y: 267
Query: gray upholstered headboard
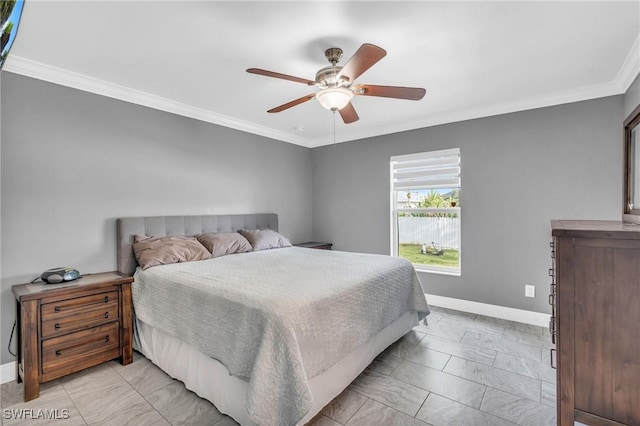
x: 163, y: 226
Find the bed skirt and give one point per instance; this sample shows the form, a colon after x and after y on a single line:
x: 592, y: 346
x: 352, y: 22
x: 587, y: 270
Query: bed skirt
x: 210, y: 379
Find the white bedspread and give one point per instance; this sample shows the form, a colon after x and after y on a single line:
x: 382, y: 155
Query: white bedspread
x: 278, y: 317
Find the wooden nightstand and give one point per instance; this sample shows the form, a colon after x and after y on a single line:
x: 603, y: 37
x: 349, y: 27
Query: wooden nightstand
x: 315, y: 245
x: 64, y: 328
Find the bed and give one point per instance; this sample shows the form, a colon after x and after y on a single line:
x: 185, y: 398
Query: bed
x: 268, y: 336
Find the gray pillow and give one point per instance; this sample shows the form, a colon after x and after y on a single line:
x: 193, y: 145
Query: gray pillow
x: 153, y: 251
x: 263, y: 239
x: 223, y: 243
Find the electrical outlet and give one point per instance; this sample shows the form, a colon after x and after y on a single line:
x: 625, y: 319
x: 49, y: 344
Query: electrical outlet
x: 529, y: 291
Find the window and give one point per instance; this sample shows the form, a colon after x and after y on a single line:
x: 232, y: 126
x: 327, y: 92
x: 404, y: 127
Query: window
x: 425, y: 210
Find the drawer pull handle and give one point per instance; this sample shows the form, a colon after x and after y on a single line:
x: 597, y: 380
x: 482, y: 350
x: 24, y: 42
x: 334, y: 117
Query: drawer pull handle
x: 106, y: 314
x: 552, y: 244
x: 551, y: 272
x: 83, y: 347
x: 552, y: 358
x: 552, y: 299
x: 57, y: 326
x: 59, y: 309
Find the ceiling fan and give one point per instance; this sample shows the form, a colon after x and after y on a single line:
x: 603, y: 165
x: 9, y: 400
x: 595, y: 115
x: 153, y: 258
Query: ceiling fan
x: 336, y: 83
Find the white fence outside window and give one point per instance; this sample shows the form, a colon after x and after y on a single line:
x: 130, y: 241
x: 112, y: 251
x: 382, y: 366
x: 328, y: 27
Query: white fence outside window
x: 440, y: 230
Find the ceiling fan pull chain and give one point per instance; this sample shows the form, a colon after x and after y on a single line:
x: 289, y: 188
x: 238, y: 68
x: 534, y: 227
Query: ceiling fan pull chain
x: 334, y: 127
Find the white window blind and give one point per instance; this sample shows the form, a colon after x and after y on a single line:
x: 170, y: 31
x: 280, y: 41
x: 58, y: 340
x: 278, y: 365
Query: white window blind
x: 428, y: 170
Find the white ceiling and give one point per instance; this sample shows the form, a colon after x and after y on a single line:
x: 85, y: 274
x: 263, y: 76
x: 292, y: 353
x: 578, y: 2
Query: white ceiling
x: 474, y: 58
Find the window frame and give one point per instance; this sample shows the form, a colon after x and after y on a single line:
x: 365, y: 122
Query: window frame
x: 435, y: 269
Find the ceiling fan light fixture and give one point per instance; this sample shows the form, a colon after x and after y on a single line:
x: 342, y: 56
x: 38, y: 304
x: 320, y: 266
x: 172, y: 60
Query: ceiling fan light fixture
x: 334, y: 98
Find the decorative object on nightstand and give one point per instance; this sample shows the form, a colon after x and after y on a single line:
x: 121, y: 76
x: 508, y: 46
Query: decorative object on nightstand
x: 315, y: 245
x: 67, y: 327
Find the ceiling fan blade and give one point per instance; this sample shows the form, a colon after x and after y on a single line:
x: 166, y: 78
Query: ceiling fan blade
x: 364, y: 58
x: 280, y: 75
x: 292, y: 103
x: 349, y: 114
x: 411, y: 93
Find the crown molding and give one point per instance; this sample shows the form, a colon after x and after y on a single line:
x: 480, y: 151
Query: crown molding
x: 29, y: 68
x: 630, y: 68
x: 552, y: 99
x: 51, y: 74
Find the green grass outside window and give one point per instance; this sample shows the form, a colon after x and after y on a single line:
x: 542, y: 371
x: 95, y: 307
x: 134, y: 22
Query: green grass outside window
x: 450, y: 258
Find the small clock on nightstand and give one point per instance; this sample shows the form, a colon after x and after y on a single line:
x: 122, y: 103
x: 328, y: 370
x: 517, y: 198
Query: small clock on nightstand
x: 315, y: 245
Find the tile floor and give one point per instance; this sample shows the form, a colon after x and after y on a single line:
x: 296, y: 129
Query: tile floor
x: 461, y: 369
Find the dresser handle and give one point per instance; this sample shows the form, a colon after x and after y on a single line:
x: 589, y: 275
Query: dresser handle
x: 58, y: 353
x: 106, y: 299
x: 552, y: 244
x: 57, y: 326
x: 552, y: 299
x: 552, y: 273
x: 106, y: 339
x: 106, y: 314
x: 57, y: 309
x: 551, y: 352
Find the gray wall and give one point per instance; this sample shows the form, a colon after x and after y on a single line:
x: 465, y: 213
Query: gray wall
x: 519, y: 171
x: 632, y: 97
x: 73, y: 162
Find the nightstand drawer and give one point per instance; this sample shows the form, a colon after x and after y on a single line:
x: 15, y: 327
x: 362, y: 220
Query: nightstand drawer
x: 76, y: 351
x: 73, y: 314
x: 76, y: 305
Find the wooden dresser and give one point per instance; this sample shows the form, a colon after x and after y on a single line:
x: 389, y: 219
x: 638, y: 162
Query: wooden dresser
x: 64, y: 328
x: 595, y: 294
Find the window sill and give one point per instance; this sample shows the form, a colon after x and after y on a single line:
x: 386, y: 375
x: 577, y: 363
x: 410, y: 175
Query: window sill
x: 444, y: 271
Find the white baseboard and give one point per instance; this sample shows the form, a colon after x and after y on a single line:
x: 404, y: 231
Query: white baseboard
x: 511, y: 314
x: 7, y: 372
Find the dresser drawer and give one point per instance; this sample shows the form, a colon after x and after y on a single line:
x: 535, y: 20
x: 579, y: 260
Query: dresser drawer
x: 76, y: 351
x: 68, y: 315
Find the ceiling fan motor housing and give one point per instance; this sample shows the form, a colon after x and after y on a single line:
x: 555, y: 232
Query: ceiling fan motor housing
x: 326, y: 77
x: 334, y: 93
